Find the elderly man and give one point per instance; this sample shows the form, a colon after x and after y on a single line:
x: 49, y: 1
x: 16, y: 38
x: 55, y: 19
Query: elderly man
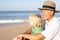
x: 52, y: 29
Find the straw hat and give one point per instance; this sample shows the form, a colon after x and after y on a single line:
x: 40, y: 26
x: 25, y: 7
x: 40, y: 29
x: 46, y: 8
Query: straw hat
x: 48, y: 5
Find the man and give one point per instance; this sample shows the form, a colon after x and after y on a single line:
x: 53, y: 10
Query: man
x: 52, y: 29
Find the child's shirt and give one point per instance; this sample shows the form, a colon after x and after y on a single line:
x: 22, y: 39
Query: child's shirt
x: 36, y: 30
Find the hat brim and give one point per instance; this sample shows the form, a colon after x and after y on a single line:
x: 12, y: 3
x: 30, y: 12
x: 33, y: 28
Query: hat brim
x: 48, y: 9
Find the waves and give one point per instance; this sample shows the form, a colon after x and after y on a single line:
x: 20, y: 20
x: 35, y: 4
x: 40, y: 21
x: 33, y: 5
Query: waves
x: 7, y: 17
x: 18, y: 20
x: 17, y: 16
x: 14, y: 21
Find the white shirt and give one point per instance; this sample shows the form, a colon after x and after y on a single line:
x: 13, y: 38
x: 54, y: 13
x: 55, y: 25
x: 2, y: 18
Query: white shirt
x: 52, y: 30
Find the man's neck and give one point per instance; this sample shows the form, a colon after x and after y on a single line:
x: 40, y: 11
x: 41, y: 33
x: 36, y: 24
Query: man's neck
x: 50, y: 18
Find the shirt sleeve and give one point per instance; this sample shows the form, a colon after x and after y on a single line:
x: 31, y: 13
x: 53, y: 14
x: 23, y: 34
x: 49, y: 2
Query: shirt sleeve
x: 50, y: 32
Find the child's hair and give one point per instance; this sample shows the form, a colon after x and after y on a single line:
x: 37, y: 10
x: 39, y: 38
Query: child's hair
x: 35, y: 20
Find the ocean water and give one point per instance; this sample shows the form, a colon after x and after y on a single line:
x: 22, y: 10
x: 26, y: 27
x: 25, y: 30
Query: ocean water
x: 10, y: 15
x: 17, y: 16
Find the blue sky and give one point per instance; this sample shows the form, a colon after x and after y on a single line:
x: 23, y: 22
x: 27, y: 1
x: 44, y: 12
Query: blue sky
x: 23, y: 5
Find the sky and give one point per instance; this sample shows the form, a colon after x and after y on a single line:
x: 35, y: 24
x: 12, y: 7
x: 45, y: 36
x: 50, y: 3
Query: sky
x: 23, y: 5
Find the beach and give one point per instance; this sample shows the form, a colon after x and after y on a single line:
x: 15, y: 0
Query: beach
x: 12, y: 23
x: 8, y: 32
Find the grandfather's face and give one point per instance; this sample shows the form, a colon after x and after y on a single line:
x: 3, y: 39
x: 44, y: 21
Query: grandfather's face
x: 47, y: 14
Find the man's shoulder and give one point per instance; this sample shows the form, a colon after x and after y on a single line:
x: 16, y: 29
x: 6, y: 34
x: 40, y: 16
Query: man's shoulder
x: 55, y: 20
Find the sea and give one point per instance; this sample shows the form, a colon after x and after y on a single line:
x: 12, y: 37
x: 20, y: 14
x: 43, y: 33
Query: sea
x: 13, y: 17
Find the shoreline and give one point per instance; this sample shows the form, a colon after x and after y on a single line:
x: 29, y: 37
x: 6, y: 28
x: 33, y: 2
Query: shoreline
x: 9, y: 24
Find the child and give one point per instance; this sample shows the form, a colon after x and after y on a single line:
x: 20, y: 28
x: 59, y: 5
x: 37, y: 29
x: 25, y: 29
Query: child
x: 35, y: 21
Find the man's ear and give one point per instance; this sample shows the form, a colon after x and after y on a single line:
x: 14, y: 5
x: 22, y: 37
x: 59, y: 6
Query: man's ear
x: 51, y: 12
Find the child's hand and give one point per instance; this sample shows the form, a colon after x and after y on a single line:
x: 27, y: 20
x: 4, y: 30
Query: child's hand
x: 19, y: 37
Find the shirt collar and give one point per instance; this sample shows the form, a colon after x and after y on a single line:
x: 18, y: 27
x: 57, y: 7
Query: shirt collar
x: 51, y: 20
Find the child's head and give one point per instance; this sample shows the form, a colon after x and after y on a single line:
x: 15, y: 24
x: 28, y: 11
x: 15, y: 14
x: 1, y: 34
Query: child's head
x: 35, y: 20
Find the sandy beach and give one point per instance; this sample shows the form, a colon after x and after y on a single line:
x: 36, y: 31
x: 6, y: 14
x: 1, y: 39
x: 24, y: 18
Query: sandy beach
x: 8, y: 32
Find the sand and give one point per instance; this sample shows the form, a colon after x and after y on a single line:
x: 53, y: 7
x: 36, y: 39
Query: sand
x: 8, y: 32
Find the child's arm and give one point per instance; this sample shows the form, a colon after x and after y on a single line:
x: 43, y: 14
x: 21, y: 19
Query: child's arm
x: 28, y: 31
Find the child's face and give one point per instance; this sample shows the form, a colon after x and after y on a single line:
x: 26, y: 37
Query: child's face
x: 33, y: 21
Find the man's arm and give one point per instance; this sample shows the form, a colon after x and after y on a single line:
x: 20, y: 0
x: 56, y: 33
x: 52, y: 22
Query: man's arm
x: 33, y: 36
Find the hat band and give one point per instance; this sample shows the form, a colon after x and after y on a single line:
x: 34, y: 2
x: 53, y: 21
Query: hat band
x: 45, y: 6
